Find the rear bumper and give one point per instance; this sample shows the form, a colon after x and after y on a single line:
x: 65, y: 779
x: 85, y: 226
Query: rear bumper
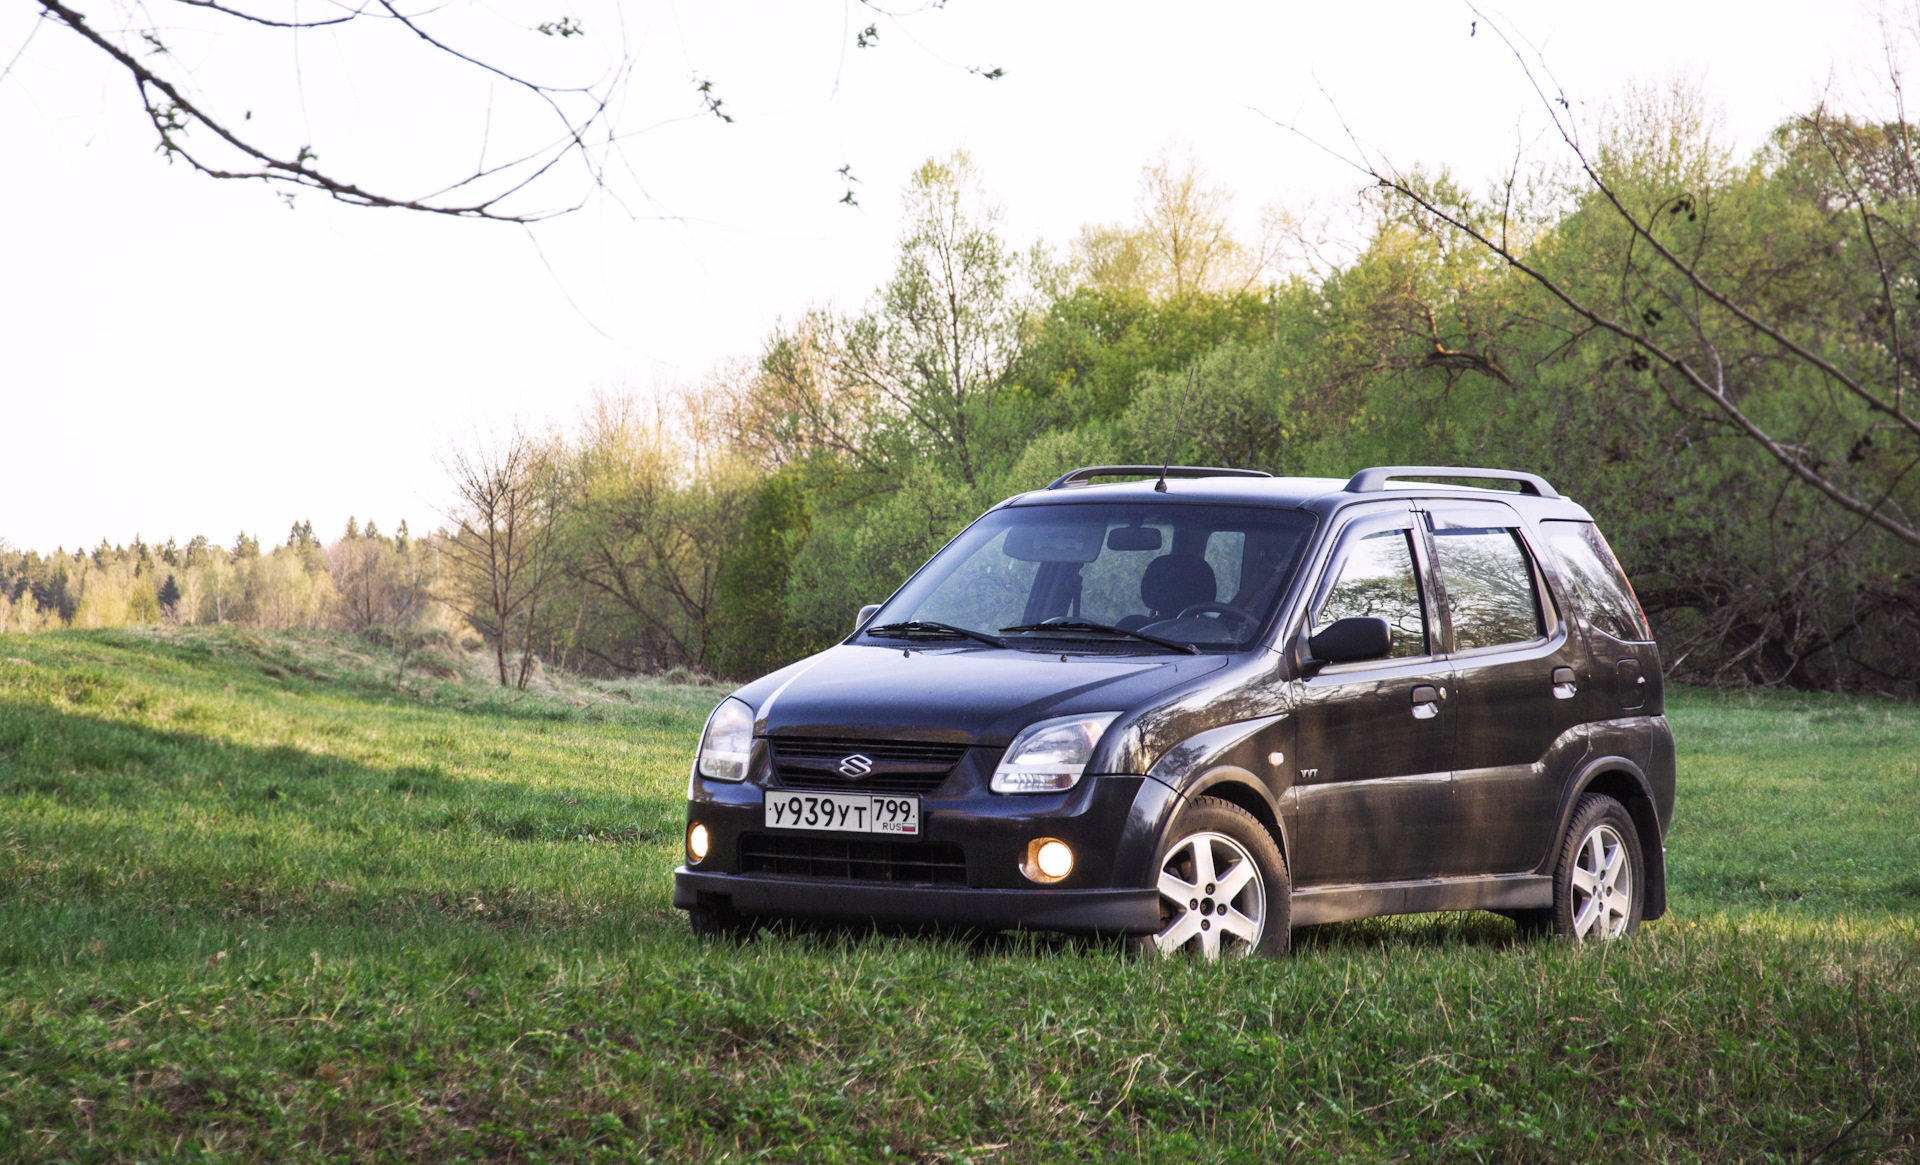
x: 1096, y: 911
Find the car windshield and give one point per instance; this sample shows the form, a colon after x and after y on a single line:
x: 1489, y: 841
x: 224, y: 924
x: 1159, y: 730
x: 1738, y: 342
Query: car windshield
x: 1105, y: 575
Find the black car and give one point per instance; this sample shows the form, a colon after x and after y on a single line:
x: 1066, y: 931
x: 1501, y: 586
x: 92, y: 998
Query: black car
x: 1204, y: 707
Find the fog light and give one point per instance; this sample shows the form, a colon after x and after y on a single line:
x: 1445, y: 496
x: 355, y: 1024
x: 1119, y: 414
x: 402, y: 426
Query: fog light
x: 1048, y: 860
x: 698, y: 842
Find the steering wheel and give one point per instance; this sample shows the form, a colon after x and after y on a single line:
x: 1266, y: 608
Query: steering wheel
x: 1246, y: 622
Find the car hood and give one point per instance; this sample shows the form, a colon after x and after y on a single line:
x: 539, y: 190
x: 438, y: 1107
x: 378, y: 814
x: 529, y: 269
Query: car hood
x: 957, y: 694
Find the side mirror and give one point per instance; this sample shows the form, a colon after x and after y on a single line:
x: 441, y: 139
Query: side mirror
x: 866, y: 614
x: 1354, y: 638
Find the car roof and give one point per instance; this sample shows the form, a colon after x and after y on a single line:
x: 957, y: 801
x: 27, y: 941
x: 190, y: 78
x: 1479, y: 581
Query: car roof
x: 1320, y: 495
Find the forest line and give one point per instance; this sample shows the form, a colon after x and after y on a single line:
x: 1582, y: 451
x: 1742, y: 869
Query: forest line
x: 738, y: 523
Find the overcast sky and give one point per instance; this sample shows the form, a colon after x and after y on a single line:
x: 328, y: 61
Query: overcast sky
x: 181, y: 356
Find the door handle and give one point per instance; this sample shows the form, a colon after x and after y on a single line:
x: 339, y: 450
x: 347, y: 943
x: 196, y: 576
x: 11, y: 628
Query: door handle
x: 1426, y: 702
x: 1563, y: 683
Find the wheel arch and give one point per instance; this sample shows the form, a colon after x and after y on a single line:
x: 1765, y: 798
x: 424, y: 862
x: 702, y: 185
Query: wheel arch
x: 1236, y: 786
x: 1625, y: 782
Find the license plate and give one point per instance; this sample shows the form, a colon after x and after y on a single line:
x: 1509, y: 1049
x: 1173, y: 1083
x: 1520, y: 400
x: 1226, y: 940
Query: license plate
x: 894, y: 814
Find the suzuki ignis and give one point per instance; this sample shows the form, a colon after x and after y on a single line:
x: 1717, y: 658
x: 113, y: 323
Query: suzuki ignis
x: 1203, y: 707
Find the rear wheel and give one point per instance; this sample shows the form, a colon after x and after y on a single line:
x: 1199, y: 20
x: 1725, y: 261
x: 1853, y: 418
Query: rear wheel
x: 1599, y: 882
x: 1223, y: 887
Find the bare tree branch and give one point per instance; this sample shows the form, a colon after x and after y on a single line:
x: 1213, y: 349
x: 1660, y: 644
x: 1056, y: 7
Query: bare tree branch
x: 248, y: 16
x: 584, y: 113
x: 176, y: 114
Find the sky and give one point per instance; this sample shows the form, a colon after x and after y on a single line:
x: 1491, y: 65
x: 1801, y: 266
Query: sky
x: 180, y: 355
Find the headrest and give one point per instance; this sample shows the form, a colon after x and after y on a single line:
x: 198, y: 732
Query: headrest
x: 1174, y: 582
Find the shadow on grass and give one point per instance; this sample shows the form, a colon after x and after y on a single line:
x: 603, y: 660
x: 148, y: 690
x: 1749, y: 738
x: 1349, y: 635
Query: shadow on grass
x: 78, y: 757
x: 1462, y: 929
x: 1465, y: 928
x: 118, y: 819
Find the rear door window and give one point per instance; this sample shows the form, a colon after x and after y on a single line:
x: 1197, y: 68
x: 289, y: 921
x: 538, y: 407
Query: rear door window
x: 1489, y: 585
x: 1595, y: 574
x: 1376, y: 576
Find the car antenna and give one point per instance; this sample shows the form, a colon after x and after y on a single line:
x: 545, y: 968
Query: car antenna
x: 1160, y: 486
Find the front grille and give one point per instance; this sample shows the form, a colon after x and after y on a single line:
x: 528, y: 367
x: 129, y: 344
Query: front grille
x: 892, y: 766
x: 853, y: 861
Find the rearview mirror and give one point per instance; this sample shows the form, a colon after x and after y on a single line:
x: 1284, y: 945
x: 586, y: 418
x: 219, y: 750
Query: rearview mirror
x: 1133, y: 538
x: 866, y: 613
x: 1354, y: 638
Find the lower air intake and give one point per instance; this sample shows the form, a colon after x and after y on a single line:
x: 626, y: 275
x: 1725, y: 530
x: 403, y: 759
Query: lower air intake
x: 910, y: 862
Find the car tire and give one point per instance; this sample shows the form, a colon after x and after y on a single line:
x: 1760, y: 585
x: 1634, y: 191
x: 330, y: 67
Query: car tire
x: 1601, y: 850
x: 708, y: 922
x: 1223, y: 887
x: 1530, y: 924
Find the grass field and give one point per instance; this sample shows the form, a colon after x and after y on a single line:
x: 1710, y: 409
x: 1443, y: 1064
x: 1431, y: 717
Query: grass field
x: 259, y: 901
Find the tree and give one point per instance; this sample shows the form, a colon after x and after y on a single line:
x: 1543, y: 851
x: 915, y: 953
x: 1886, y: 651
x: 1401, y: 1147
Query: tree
x: 931, y: 360
x: 750, y: 632
x: 1182, y: 245
x: 381, y: 582
x: 1702, y: 326
x: 652, y: 515
x: 169, y: 596
x: 498, y: 552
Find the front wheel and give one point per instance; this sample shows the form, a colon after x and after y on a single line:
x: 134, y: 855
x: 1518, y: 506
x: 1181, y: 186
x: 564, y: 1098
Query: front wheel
x: 1223, y: 886
x: 1599, y: 882
x: 715, y: 923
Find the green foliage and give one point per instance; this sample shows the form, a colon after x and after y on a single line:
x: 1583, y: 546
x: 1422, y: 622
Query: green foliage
x: 976, y: 372
x: 262, y: 897
x: 1092, y: 347
x: 636, y: 559
x: 856, y: 557
x: 750, y: 628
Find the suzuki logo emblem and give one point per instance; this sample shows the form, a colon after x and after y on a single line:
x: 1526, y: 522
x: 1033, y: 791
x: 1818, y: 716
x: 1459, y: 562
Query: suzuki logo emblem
x: 857, y: 765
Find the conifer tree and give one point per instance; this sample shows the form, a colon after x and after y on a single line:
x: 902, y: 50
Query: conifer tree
x: 170, y: 599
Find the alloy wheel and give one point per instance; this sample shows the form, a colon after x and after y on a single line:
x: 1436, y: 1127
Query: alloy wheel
x: 1212, y: 897
x: 1602, y: 885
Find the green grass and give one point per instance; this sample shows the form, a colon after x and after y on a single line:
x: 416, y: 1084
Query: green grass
x: 261, y: 902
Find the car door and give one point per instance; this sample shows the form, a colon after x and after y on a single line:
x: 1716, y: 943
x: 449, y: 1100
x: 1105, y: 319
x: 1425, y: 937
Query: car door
x: 1372, y: 737
x: 1515, y: 670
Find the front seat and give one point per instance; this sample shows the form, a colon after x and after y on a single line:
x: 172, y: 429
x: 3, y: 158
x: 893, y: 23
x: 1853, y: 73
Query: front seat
x: 1171, y: 584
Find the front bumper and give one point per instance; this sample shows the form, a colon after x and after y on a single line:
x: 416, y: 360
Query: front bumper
x: 1112, y: 822
x: 1097, y: 911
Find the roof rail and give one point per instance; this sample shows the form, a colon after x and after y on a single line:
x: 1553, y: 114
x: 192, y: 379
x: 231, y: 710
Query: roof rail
x: 1373, y: 480
x: 1087, y: 473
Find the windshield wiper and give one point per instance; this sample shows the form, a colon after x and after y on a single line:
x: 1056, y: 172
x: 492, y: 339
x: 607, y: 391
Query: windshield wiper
x: 1083, y: 625
x: 914, y: 627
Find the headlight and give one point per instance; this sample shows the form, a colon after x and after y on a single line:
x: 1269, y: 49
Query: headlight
x: 1051, y: 755
x: 727, y: 742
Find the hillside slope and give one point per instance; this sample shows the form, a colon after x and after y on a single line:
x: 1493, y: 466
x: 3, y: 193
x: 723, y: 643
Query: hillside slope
x: 262, y: 901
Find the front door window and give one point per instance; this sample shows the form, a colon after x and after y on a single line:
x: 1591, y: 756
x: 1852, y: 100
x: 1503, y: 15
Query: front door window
x: 1378, y: 578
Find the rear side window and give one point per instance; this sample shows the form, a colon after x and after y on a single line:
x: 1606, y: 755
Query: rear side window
x: 1596, y: 575
x: 1489, y: 584
x: 1377, y: 578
